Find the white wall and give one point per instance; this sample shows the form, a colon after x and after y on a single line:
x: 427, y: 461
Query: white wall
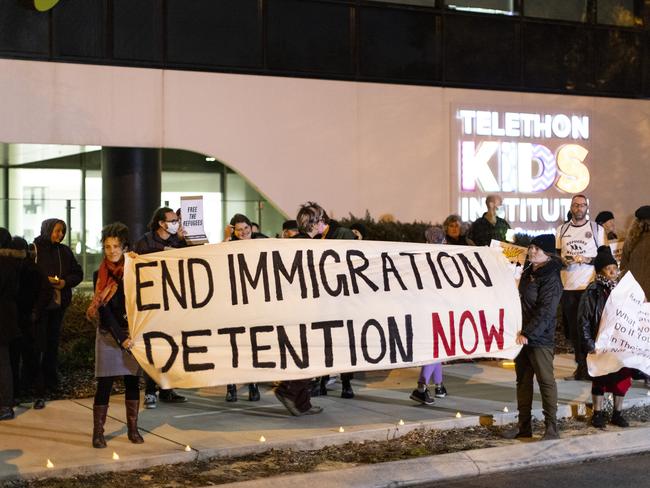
x: 349, y: 146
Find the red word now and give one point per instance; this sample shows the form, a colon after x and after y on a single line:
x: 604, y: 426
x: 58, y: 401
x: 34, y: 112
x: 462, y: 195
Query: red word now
x: 452, y: 333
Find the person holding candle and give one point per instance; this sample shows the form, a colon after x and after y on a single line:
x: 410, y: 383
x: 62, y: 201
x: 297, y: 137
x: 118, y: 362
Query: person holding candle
x: 112, y: 341
x: 58, y: 263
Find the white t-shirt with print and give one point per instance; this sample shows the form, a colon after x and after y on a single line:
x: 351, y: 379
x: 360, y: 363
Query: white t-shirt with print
x: 579, y: 240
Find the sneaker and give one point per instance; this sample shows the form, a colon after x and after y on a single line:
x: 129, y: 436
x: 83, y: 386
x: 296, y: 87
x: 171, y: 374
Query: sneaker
x: 231, y: 393
x: 619, y: 420
x: 6, y: 413
x: 440, y: 391
x: 253, y: 393
x: 598, y: 419
x: 312, y: 411
x: 170, y: 396
x: 39, y: 404
x: 422, y: 397
x: 150, y: 400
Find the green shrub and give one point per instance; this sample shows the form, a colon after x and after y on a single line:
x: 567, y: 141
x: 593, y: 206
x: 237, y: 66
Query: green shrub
x: 77, y: 346
x: 389, y: 230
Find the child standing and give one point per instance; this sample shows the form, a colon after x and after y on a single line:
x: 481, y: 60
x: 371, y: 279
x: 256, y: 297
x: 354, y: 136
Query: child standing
x: 590, y: 310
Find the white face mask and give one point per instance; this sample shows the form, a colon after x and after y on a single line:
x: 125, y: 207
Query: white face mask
x: 501, y: 211
x: 172, y: 227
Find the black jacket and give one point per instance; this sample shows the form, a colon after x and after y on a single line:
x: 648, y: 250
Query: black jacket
x: 57, y: 260
x: 10, y: 260
x: 336, y: 231
x: 540, y: 291
x: 152, y: 242
x: 112, y: 316
x: 34, y: 294
x: 590, y: 310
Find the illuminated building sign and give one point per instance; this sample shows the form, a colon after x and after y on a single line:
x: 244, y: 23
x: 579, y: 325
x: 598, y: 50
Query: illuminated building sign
x: 535, y: 161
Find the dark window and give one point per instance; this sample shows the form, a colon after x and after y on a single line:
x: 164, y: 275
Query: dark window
x: 503, y: 7
x: 23, y: 30
x: 398, y: 44
x: 557, y: 56
x: 137, y: 30
x: 574, y: 10
x: 309, y: 36
x: 618, y: 61
x: 481, y: 50
x: 78, y: 29
x: 617, y: 12
x: 213, y: 33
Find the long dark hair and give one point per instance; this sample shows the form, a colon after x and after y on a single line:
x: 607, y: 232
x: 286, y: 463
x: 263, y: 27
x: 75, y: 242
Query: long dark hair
x: 157, y: 216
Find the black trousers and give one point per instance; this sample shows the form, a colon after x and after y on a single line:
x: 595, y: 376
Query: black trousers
x: 105, y: 386
x: 53, y: 320
x: 298, y: 391
x: 535, y: 362
x: 569, y: 305
x: 27, y: 366
x: 6, y: 378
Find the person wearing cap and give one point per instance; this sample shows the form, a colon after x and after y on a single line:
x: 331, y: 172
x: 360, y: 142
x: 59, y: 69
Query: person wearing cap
x: 577, y: 241
x: 359, y: 230
x: 540, y: 289
x: 289, y: 229
x: 590, y: 311
x: 606, y: 219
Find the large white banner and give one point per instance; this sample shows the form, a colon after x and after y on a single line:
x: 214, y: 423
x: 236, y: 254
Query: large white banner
x: 624, y: 331
x: 274, y: 309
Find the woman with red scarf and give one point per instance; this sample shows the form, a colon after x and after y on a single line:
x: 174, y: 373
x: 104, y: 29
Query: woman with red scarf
x: 112, y: 343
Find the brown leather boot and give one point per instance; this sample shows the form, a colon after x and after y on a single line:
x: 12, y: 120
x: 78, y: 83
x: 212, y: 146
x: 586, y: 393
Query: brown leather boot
x: 132, y: 407
x: 99, y: 419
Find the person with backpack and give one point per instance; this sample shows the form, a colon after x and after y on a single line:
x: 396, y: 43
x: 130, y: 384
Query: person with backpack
x: 577, y: 242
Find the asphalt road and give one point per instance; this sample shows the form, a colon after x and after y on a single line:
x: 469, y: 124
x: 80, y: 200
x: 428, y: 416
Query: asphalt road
x: 621, y: 472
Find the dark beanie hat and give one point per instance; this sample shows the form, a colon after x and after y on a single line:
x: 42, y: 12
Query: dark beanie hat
x: 604, y: 216
x: 290, y: 225
x: 603, y: 258
x: 643, y: 213
x: 546, y: 242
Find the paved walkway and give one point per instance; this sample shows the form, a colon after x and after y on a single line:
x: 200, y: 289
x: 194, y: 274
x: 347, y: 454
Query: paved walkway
x: 212, y: 427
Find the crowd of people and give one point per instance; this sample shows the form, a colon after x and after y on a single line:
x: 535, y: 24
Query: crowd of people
x: 573, y: 270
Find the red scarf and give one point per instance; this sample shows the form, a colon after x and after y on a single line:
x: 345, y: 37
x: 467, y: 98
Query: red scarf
x: 108, y: 276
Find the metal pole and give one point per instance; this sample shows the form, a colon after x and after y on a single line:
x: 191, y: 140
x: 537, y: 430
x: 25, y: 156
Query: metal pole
x: 68, y: 219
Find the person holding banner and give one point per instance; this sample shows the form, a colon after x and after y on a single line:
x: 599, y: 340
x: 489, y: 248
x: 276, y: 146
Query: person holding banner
x: 540, y: 289
x: 165, y: 232
x: 242, y: 229
x: 590, y: 311
x: 112, y: 341
x: 636, y: 253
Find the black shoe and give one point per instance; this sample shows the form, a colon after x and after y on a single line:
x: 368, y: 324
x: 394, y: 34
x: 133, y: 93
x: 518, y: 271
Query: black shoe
x: 440, y: 391
x: 346, y: 391
x: 598, y: 419
x: 231, y: 393
x: 422, y: 397
x: 170, y: 396
x: 517, y: 433
x: 6, y: 413
x: 253, y: 392
x: 619, y: 420
x: 39, y: 404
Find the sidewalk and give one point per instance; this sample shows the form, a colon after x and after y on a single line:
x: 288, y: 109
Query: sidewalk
x: 212, y: 427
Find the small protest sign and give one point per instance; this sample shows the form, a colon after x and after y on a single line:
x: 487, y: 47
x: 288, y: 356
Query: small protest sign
x: 192, y: 218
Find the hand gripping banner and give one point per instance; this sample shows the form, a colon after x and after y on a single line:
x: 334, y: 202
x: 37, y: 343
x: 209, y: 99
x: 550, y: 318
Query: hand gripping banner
x: 278, y: 309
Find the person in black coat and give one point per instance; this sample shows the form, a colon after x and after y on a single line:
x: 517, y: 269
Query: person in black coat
x: 34, y: 294
x: 165, y: 232
x: 58, y: 263
x: 540, y: 289
x: 9, y: 272
x: 590, y: 310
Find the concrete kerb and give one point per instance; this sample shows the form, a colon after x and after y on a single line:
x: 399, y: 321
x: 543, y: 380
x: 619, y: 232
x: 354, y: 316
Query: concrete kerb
x: 470, y: 464
x: 314, y: 443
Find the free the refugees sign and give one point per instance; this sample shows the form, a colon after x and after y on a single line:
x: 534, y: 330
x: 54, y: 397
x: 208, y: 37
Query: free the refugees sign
x: 624, y: 331
x: 274, y: 309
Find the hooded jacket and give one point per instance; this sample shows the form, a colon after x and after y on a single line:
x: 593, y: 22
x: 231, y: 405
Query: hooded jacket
x: 590, y: 310
x: 540, y: 291
x: 57, y: 259
x: 10, y: 260
x: 152, y: 242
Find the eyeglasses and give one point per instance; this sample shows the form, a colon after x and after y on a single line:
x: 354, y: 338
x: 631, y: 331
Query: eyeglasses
x: 175, y: 221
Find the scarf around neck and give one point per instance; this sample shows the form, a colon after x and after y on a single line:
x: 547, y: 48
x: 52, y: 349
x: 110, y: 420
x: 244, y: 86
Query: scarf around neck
x: 109, y: 277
